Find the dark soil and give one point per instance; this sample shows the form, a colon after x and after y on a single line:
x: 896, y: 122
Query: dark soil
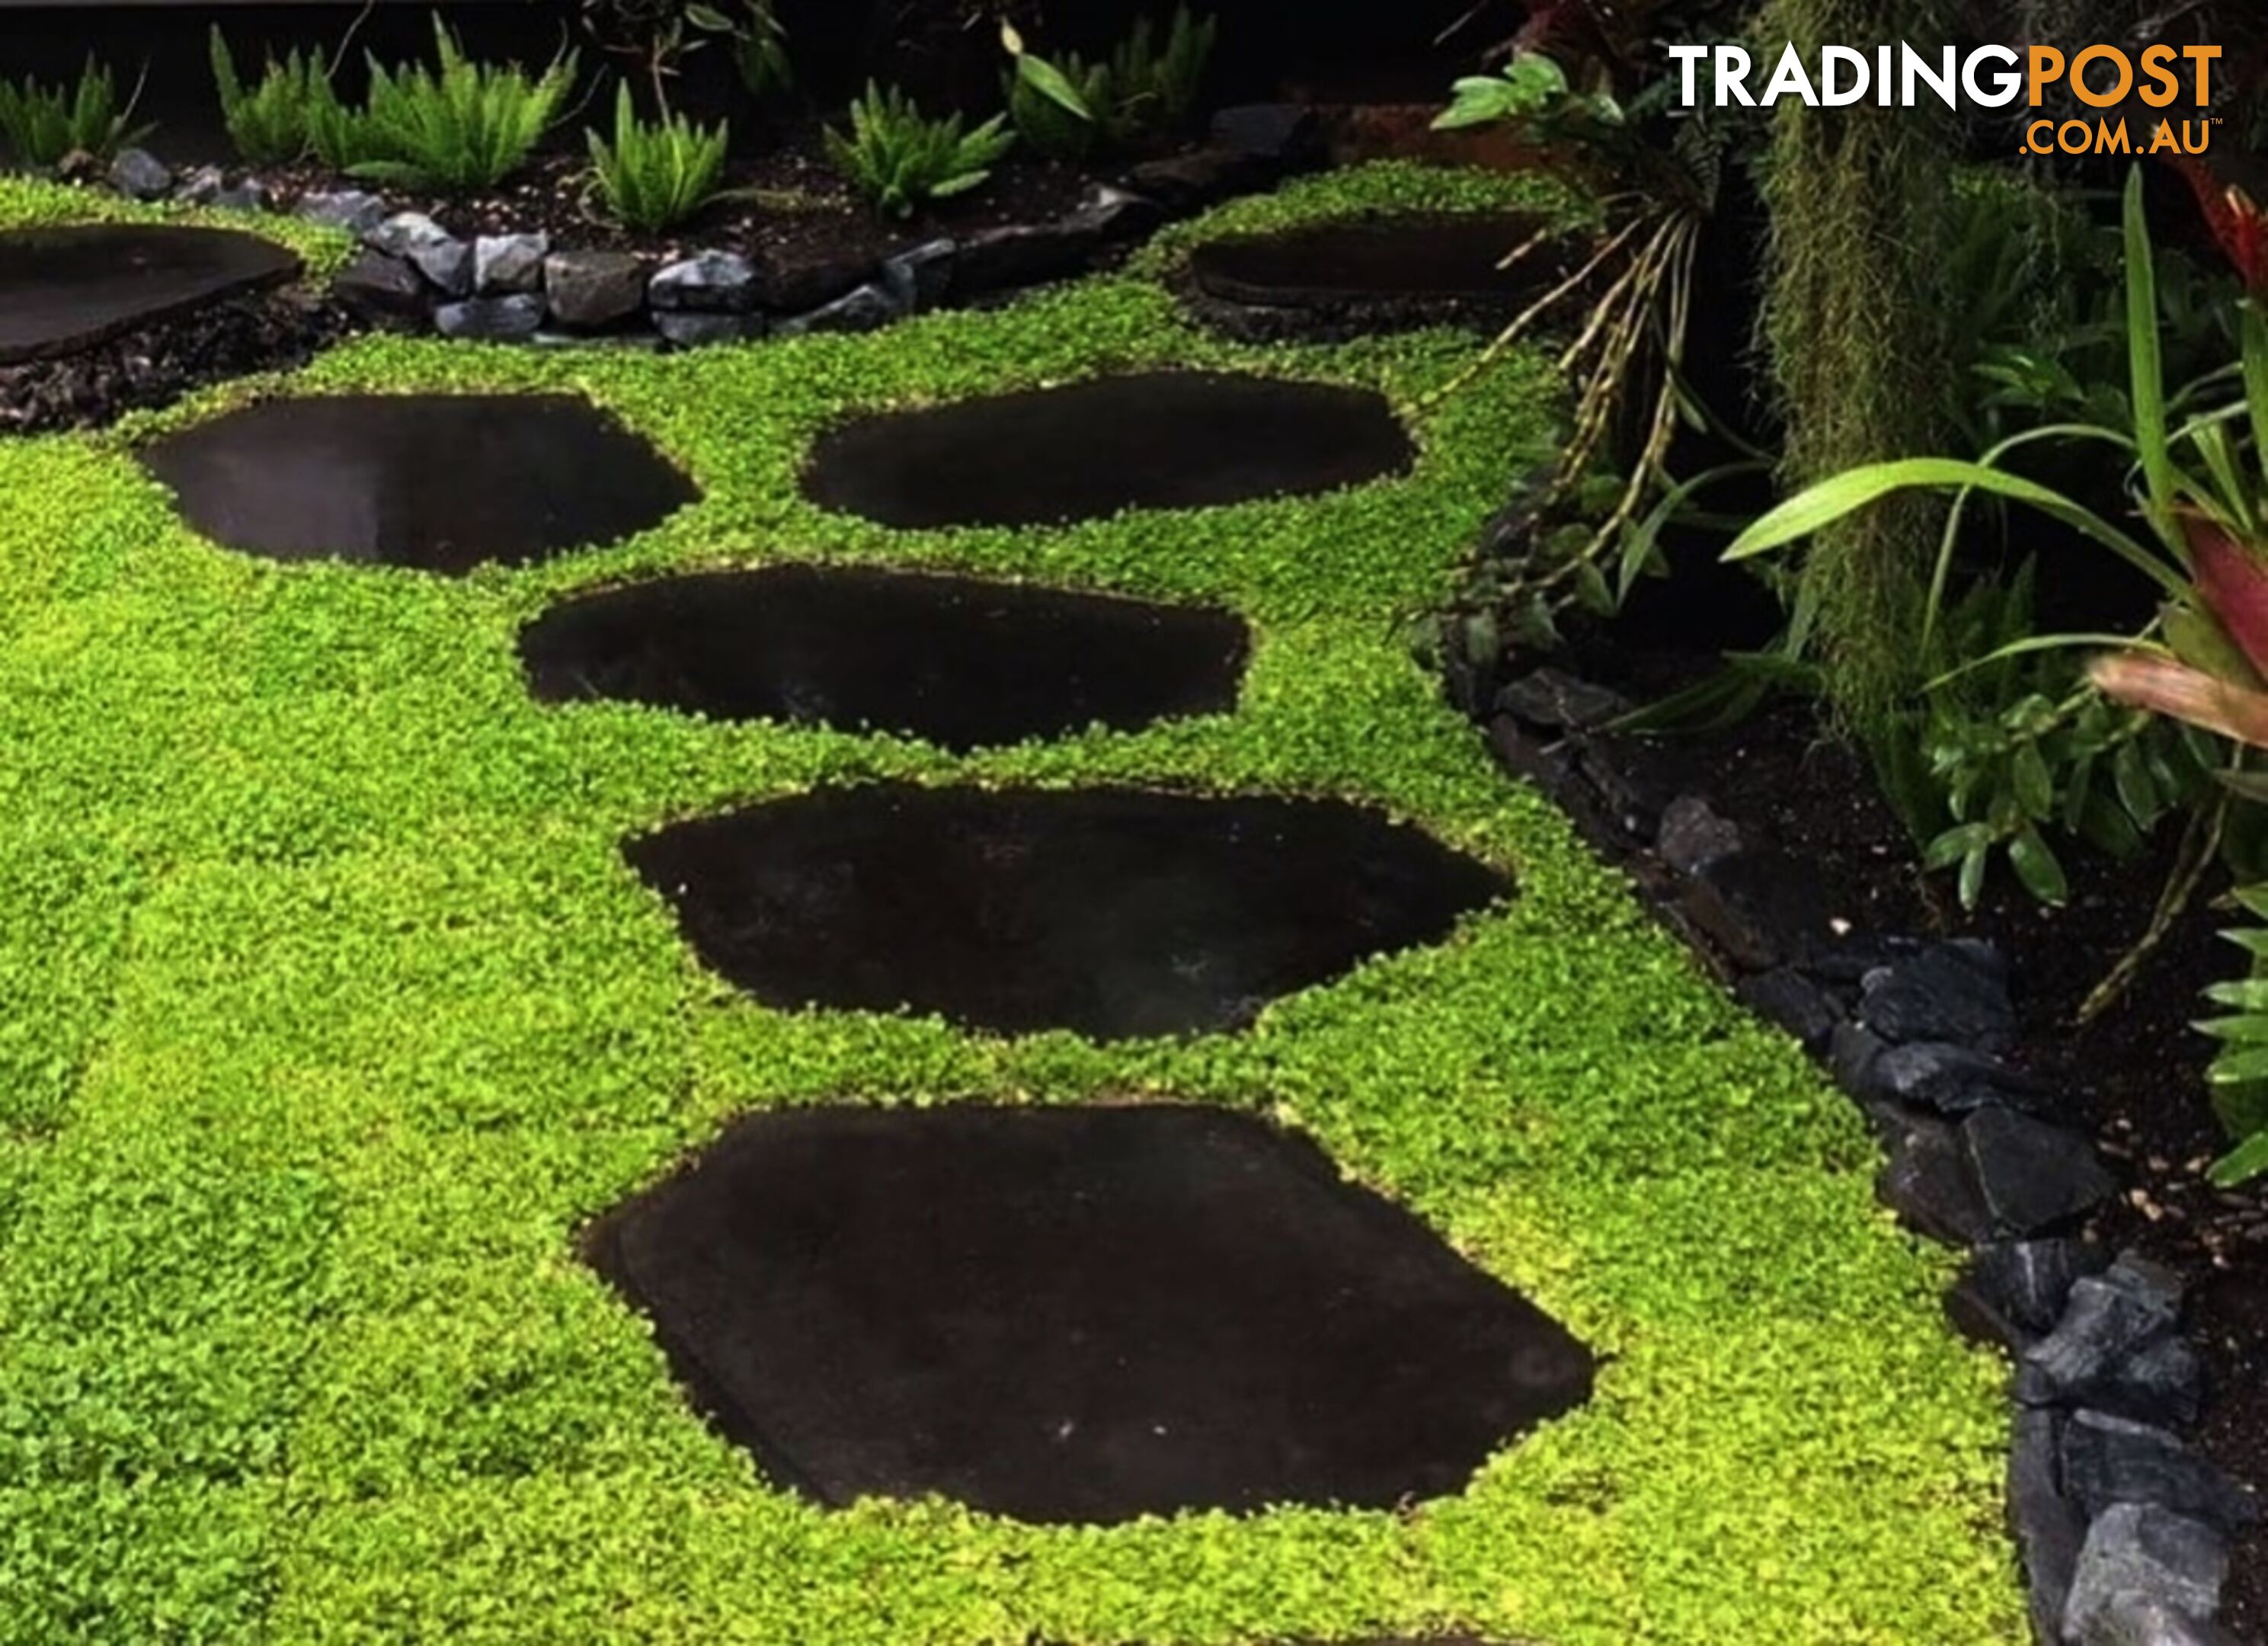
x: 64, y: 290
x: 1078, y: 1315
x: 154, y: 365
x: 960, y: 663
x: 1112, y: 912
x: 783, y: 208
x: 1187, y: 440
x: 2136, y: 1073
x: 438, y: 482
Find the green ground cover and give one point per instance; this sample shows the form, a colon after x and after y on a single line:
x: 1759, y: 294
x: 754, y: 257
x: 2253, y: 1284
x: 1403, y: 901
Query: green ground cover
x: 328, y: 1013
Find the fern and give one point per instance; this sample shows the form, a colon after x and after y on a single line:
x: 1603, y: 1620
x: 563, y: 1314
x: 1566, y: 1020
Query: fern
x: 270, y: 123
x: 1157, y: 89
x: 465, y: 126
x: 655, y: 176
x: 44, y: 126
x: 1047, y: 125
x: 897, y: 158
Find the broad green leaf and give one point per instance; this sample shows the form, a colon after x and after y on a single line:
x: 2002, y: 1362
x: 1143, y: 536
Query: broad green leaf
x: 2146, y: 364
x: 2037, y: 866
x: 2246, y: 1161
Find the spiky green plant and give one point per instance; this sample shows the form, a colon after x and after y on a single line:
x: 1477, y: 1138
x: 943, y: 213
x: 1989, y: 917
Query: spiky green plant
x: 455, y: 128
x: 269, y: 121
x: 657, y: 174
x: 1156, y: 86
x: 44, y: 125
x: 896, y: 156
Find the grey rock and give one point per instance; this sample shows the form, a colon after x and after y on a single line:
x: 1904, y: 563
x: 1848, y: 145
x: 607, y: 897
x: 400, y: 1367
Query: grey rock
x: 1288, y: 133
x: 706, y: 283
x: 2033, y: 1175
x: 379, y: 287
x: 2130, y: 1619
x: 141, y: 175
x: 445, y: 261
x: 512, y: 318
x: 1788, y: 999
x: 1926, y: 1183
x: 353, y: 210
x: 593, y: 289
x: 1556, y: 700
x: 1954, y: 1080
x: 1941, y: 993
x: 922, y: 276
x: 2145, y: 1281
x: 2108, y: 1459
x: 251, y: 195
x: 696, y: 330
x: 2161, y: 1383
x: 2049, y: 1528
x: 1693, y: 834
x: 2030, y: 1281
x: 2146, y: 1552
x: 866, y: 309
x: 994, y: 259
x: 2107, y: 1322
x: 509, y: 262
x: 200, y: 185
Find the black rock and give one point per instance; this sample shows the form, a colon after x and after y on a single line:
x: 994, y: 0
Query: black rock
x: 1764, y: 907
x: 2150, y: 1556
x: 1693, y: 834
x: 2030, y: 1281
x: 200, y: 185
x: 706, y: 283
x: 2049, y: 1528
x: 1183, y: 183
x: 1954, y: 1080
x: 994, y: 259
x: 140, y: 175
x: 1926, y: 1183
x: 2163, y: 1384
x: 1788, y: 999
x: 2032, y: 1174
x: 445, y: 261
x: 1636, y: 778
x: 2135, y: 1620
x: 513, y: 319
x: 1554, y: 700
x: 797, y: 287
x: 1288, y: 133
x: 2109, y: 1318
x: 868, y: 309
x: 1943, y: 993
x: 1119, y: 214
x: 693, y: 329
x: 379, y: 287
x: 1854, y: 1057
x: 593, y: 289
x: 922, y: 276
x: 251, y: 195
x: 2108, y: 1459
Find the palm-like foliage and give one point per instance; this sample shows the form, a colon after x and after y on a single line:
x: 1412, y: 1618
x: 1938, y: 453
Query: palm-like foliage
x: 455, y: 128
x: 655, y: 175
x: 897, y: 156
x: 45, y: 124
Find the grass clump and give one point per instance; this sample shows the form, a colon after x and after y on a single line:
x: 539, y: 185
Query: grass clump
x: 655, y: 175
x: 43, y: 126
x: 898, y: 159
x: 347, y: 1014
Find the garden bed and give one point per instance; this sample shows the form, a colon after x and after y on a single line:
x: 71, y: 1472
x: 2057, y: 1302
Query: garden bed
x: 344, y: 1018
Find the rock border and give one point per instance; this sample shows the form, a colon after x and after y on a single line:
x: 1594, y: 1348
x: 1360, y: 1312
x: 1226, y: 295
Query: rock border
x: 2123, y: 1528
x: 411, y: 274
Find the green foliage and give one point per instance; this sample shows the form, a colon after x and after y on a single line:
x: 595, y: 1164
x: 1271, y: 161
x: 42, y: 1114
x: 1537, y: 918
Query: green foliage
x: 1059, y: 110
x: 1531, y: 86
x: 273, y: 124
x: 44, y: 125
x: 346, y: 1017
x: 654, y: 176
x: 457, y: 127
x: 898, y: 159
x: 2240, y: 1073
x: 1155, y: 85
x: 1067, y: 109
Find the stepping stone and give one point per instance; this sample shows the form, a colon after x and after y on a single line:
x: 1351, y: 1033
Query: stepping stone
x: 441, y: 482
x: 1112, y: 912
x: 1419, y: 262
x: 1160, y: 440
x: 64, y: 290
x: 1077, y: 1315
x: 962, y: 663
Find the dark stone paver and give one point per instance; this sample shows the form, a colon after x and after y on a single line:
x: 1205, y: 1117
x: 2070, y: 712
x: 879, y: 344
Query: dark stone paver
x: 442, y: 483
x: 1078, y: 1314
x: 63, y: 290
x: 962, y: 663
x: 1160, y: 440
x: 1368, y: 259
x: 1114, y: 913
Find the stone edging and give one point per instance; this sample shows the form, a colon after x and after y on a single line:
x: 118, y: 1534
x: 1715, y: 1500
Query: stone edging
x: 411, y: 273
x: 2123, y: 1528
